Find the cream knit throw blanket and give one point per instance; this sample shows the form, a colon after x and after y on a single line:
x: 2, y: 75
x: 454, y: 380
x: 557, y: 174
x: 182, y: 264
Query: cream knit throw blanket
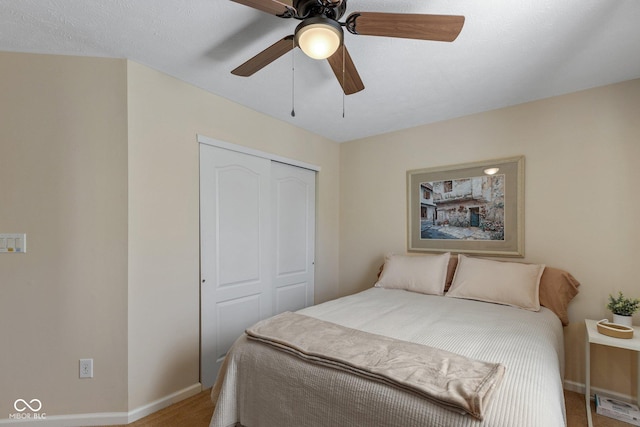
x: 448, y: 379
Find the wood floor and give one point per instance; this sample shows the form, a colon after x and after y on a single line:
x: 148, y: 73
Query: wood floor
x: 577, y: 414
x: 197, y: 410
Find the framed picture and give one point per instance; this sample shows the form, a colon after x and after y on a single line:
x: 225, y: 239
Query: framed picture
x: 473, y: 208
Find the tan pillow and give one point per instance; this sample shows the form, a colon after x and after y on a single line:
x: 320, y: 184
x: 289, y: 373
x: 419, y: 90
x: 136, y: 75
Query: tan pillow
x: 507, y: 283
x: 557, y: 289
x: 451, y: 270
x: 425, y: 274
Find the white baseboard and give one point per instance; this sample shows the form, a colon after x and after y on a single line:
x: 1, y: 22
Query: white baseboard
x: 162, y: 403
x: 580, y: 388
x: 105, y: 418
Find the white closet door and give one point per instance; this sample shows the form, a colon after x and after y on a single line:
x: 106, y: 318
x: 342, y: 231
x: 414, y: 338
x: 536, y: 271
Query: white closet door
x: 293, y: 199
x: 235, y: 226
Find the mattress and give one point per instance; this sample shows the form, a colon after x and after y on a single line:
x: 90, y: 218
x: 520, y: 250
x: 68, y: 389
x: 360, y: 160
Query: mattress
x: 262, y: 386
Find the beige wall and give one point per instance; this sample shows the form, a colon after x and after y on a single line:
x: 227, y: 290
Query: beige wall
x: 165, y: 115
x: 99, y: 166
x: 63, y: 181
x: 581, y: 152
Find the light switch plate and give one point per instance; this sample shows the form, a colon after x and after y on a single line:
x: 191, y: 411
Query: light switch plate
x: 15, y: 243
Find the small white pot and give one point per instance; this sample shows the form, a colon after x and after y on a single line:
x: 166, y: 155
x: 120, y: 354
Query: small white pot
x: 622, y: 320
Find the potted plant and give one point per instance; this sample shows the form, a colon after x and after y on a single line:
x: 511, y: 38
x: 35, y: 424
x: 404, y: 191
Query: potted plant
x: 623, y: 308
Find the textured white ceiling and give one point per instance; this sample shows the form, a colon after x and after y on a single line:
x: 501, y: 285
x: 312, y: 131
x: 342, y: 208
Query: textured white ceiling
x: 508, y: 52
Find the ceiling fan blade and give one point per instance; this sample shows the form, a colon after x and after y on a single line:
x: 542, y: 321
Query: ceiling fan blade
x: 281, y: 8
x: 444, y: 28
x: 265, y: 57
x: 347, y: 76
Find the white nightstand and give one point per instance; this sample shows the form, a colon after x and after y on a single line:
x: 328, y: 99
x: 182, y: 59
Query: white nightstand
x: 595, y: 337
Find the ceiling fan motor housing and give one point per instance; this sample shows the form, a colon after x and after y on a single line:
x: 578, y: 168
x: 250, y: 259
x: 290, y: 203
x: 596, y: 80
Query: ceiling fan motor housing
x: 327, y: 8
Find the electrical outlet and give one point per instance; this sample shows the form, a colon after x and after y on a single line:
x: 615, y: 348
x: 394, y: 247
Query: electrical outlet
x: 86, y: 368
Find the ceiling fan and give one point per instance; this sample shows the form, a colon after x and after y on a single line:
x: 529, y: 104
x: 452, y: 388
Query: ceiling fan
x: 320, y: 34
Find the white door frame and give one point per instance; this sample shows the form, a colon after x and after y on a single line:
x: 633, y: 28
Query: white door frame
x: 246, y: 150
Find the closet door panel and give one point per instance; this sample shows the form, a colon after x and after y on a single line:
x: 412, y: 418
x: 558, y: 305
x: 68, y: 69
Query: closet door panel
x: 238, y: 197
x: 235, y: 236
x: 293, y: 210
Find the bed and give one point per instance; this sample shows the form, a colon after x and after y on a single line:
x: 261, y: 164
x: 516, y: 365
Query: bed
x: 260, y: 385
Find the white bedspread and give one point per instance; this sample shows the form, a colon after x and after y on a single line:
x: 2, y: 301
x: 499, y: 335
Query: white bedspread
x: 261, y: 386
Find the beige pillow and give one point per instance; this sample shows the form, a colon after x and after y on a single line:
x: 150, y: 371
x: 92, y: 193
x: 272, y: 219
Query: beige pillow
x: 425, y: 274
x: 507, y: 283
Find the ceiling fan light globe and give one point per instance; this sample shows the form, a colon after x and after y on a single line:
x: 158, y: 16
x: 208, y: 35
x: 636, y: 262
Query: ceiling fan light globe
x: 319, y: 40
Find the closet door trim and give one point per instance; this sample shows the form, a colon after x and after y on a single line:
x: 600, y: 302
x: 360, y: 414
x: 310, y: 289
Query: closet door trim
x: 246, y: 150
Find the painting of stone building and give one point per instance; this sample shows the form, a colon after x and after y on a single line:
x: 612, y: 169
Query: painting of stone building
x: 464, y: 209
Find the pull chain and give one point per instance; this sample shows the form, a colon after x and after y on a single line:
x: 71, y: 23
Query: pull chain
x: 293, y: 80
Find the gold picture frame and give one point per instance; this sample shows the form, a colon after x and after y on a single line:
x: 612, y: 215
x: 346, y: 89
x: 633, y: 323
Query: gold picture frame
x: 467, y: 209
